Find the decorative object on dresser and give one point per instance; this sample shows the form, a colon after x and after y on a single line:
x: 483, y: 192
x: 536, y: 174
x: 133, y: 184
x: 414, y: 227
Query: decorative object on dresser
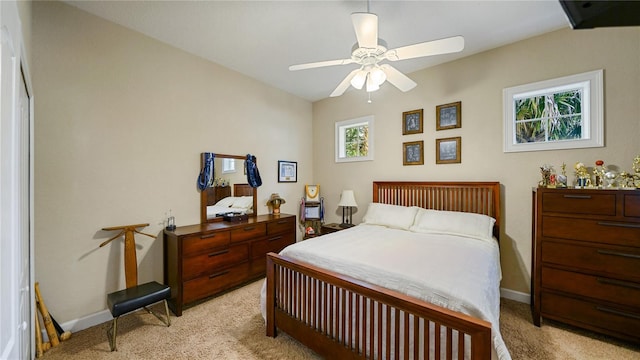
x: 347, y: 202
x: 274, y: 202
x: 586, y: 259
x: 205, y: 259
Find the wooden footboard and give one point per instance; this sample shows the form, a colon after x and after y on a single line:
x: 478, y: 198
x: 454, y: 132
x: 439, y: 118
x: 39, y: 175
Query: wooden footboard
x: 343, y: 318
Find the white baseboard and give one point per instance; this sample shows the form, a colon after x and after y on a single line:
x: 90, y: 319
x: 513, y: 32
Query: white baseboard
x: 87, y: 321
x: 515, y: 295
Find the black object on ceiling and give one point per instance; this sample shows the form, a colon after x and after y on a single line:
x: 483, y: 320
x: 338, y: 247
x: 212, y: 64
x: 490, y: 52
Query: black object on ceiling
x: 602, y: 13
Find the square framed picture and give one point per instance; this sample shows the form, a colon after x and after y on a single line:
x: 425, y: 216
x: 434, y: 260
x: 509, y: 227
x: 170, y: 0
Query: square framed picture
x: 449, y: 116
x: 412, y: 122
x: 448, y: 150
x: 287, y: 171
x: 312, y: 212
x: 413, y: 153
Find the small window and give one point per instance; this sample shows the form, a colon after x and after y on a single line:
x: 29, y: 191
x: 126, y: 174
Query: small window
x: 562, y: 113
x: 228, y: 165
x: 354, y: 139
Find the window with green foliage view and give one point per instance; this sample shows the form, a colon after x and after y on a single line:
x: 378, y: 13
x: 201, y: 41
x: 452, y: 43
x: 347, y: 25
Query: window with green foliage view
x: 354, y: 139
x: 550, y: 117
x: 555, y: 114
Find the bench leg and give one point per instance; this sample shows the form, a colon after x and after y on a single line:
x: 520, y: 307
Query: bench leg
x: 167, y: 320
x: 112, y: 332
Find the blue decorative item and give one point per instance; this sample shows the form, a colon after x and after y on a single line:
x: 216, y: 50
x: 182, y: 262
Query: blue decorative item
x: 253, y: 175
x: 205, y: 179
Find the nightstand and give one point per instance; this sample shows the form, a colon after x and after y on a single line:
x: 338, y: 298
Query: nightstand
x: 329, y: 228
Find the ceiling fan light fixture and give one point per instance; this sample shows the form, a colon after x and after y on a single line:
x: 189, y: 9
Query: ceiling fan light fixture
x: 358, y: 80
x: 371, y: 84
x: 378, y: 76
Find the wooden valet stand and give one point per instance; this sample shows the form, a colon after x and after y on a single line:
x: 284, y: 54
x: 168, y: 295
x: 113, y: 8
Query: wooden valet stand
x: 134, y: 296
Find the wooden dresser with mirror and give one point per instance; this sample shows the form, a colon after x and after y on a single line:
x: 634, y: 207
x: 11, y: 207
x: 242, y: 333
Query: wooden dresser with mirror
x: 205, y: 259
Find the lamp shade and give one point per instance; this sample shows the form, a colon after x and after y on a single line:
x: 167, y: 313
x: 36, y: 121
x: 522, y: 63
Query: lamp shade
x: 347, y: 199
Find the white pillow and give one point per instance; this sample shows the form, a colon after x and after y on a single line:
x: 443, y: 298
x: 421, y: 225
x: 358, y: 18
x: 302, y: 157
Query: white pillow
x: 393, y: 216
x: 226, y: 202
x: 243, y: 202
x: 454, y: 222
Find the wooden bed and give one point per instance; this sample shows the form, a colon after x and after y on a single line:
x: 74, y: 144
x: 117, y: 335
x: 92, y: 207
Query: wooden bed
x: 294, y: 286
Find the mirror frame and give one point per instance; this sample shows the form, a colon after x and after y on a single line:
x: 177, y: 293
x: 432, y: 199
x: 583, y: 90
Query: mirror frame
x: 204, y: 195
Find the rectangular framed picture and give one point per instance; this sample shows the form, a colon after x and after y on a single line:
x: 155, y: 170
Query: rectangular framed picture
x: 412, y: 122
x: 413, y: 153
x: 287, y: 171
x: 448, y: 150
x: 449, y: 116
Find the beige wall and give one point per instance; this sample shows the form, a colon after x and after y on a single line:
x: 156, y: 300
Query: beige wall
x: 478, y: 81
x: 120, y: 122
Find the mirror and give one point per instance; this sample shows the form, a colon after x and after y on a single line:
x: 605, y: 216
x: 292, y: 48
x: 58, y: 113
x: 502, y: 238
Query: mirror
x: 230, y: 191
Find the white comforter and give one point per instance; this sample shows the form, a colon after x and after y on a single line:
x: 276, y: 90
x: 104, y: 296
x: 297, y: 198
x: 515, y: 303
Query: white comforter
x: 459, y: 273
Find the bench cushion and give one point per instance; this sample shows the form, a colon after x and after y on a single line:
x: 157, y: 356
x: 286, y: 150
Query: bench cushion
x: 124, y: 301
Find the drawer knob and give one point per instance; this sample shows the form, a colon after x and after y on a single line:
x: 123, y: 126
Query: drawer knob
x: 618, y: 312
x: 625, y: 225
x: 577, y: 196
x: 207, y: 236
x: 617, y: 253
x: 249, y: 228
x: 275, y: 238
x: 221, y: 252
x: 218, y: 274
x: 619, y: 283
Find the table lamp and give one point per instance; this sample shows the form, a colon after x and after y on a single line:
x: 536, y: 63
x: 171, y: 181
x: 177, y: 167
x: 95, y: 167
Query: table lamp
x: 348, y: 202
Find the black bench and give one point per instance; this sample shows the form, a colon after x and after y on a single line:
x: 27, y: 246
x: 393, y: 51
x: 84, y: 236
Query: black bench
x: 133, y: 298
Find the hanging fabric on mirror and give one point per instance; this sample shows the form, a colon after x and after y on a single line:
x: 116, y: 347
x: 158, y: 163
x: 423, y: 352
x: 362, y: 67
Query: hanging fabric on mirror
x: 322, y: 209
x: 205, y: 179
x: 253, y: 175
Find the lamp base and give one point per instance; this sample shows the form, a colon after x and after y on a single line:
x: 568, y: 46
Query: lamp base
x: 346, y: 225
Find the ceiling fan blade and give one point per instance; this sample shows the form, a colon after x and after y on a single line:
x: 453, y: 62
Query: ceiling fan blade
x: 344, y: 85
x: 320, y: 64
x: 366, y: 27
x: 429, y: 48
x: 398, y: 79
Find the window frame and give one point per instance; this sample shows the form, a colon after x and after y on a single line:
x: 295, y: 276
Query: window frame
x: 591, y: 85
x: 340, y: 129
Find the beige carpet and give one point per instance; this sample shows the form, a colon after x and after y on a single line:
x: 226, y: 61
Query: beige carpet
x: 231, y: 327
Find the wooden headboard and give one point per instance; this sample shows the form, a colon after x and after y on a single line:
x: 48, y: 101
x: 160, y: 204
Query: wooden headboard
x: 475, y: 197
x: 242, y: 190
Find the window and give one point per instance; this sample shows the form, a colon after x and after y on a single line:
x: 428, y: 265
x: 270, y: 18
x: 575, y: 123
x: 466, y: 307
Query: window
x: 562, y: 113
x: 354, y: 139
x: 228, y: 165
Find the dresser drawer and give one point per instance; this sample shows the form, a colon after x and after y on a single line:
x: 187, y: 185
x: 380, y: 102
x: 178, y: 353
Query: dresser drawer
x: 632, y: 205
x: 213, y: 260
x: 579, y: 203
x: 202, y: 242
x: 602, y: 231
x: 214, y: 282
x: 248, y: 231
x: 276, y: 243
x: 616, y: 261
x: 281, y: 225
x: 623, y: 322
x: 597, y: 287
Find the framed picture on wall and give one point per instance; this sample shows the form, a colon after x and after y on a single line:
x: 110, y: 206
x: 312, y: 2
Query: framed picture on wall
x: 412, y: 122
x: 287, y: 171
x: 448, y: 150
x: 413, y: 153
x: 449, y: 116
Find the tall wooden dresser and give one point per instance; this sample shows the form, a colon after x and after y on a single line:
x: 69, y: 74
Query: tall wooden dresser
x: 586, y: 259
x: 205, y: 259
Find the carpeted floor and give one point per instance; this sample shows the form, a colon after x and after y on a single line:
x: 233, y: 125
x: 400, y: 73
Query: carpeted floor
x: 231, y: 327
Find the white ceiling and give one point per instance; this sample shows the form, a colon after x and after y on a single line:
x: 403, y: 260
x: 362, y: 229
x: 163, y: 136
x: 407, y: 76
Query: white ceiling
x: 262, y: 38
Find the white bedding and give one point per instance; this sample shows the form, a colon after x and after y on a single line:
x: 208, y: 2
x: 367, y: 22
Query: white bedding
x: 459, y: 273
x: 213, y: 210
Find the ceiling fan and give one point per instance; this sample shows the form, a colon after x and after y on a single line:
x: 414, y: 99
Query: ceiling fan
x: 370, y: 51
